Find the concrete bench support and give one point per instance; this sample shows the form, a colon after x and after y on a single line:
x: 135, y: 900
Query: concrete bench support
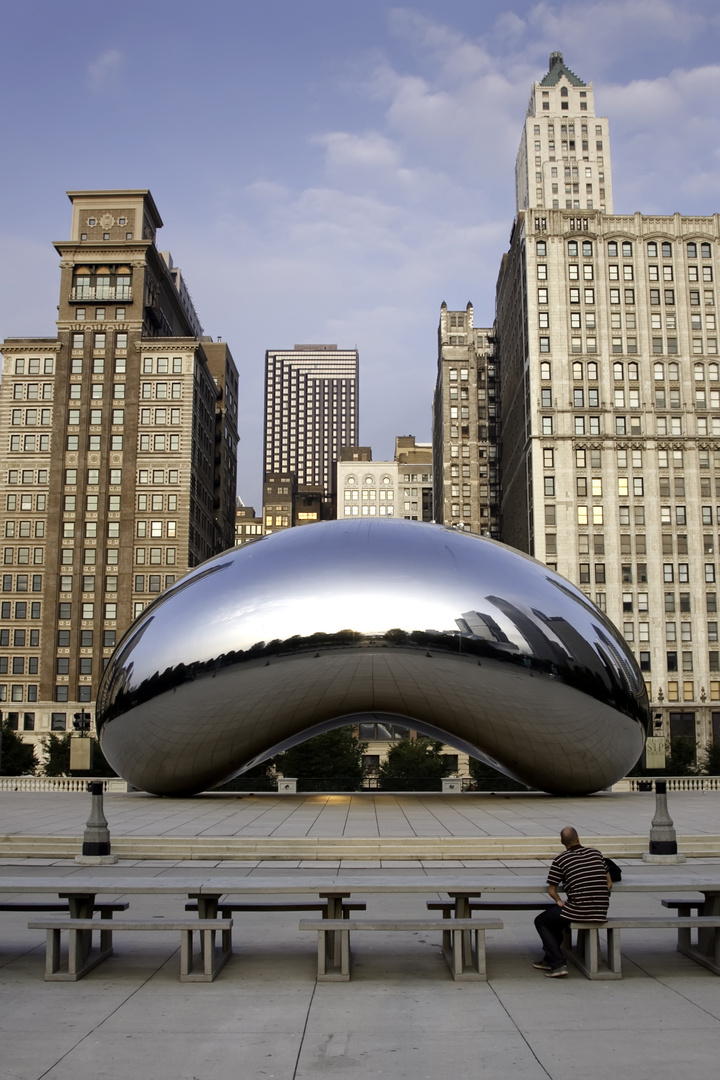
x: 587, y: 955
x: 81, y: 959
x: 340, y: 972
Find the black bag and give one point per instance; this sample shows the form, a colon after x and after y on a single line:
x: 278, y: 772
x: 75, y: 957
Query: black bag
x: 613, y: 870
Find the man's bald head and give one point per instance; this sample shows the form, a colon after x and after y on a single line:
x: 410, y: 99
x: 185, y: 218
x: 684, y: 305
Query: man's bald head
x: 569, y: 836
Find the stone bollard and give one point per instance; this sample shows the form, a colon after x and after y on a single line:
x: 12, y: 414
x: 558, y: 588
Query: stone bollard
x: 663, y: 840
x: 96, y: 839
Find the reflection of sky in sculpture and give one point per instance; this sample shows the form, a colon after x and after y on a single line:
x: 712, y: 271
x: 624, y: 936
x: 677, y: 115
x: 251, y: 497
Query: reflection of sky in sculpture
x: 343, y: 588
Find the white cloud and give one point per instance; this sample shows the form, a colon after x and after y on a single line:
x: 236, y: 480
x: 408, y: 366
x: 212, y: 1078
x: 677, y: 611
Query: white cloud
x: 104, y: 70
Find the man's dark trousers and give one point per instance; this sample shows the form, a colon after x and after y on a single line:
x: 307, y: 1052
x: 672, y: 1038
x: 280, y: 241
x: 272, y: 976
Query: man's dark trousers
x: 551, y: 926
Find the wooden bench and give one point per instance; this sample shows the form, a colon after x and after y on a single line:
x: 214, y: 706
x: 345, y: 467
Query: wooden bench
x: 587, y: 955
x: 81, y: 958
x: 453, y: 955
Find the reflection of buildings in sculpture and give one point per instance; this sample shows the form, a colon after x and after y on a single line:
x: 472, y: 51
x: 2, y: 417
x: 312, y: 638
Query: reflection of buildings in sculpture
x: 541, y: 646
x: 581, y: 652
x: 118, y: 463
x: 481, y: 625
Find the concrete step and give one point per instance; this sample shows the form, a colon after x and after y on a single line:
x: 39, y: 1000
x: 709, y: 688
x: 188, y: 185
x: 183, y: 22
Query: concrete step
x: 343, y: 847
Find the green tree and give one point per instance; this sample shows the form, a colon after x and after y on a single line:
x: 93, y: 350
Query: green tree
x: 57, y: 754
x: 17, y: 757
x: 681, y: 756
x: 710, y: 759
x: 489, y: 779
x: 414, y: 765
x: 328, y: 762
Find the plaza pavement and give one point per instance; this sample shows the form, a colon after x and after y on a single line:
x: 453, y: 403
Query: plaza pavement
x: 401, y: 1017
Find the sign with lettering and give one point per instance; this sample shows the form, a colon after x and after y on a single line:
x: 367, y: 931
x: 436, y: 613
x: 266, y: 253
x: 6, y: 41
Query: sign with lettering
x: 655, y: 752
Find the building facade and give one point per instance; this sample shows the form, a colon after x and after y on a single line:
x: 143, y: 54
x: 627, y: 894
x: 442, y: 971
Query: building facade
x: 401, y: 488
x: 608, y: 355
x: 248, y: 524
x: 465, y: 426
x: 117, y: 459
x: 311, y: 412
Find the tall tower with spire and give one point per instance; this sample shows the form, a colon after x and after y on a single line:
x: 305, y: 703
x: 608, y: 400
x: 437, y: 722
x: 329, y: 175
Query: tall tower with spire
x: 563, y: 162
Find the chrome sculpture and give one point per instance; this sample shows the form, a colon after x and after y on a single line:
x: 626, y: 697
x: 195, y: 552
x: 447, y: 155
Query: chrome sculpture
x: 450, y: 634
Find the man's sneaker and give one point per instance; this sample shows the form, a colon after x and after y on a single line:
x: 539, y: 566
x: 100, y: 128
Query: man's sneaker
x: 542, y: 965
x: 556, y: 973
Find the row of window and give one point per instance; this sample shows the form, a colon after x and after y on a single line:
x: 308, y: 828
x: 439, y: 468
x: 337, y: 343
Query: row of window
x: 665, y: 458
x: 32, y: 391
x: 154, y: 582
x: 587, y: 294
x: 625, y: 248
x: 659, y: 345
x: 100, y: 314
x: 87, y: 611
x: 22, y: 582
x: 354, y: 495
x: 632, y: 426
x: 34, y: 365
x: 155, y: 556
x: 100, y: 340
x: 620, y: 371
x: 369, y: 511
x: 19, y: 610
x: 626, y: 272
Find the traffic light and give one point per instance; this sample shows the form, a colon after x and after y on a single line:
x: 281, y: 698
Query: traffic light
x: 81, y: 722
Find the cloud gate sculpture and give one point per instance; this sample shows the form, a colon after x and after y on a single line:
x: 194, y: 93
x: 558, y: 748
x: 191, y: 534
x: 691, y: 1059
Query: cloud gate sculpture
x: 456, y: 636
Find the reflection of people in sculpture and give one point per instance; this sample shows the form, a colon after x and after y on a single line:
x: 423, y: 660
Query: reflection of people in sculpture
x: 582, y: 872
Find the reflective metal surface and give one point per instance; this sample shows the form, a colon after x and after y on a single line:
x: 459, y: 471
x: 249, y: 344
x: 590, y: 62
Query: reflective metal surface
x: 451, y: 634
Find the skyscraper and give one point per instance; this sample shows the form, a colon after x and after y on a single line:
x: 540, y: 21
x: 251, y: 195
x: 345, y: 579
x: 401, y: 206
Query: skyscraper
x: 564, y: 156
x: 117, y: 462
x: 311, y: 412
x: 465, y: 408
x: 607, y: 341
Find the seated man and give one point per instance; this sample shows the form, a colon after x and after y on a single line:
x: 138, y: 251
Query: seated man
x: 584, y: 876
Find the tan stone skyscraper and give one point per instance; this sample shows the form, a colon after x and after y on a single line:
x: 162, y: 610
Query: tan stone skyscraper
x: 563, y: 161
x: 610, y: 389
x: 117, y: 458
x: 465, y: 408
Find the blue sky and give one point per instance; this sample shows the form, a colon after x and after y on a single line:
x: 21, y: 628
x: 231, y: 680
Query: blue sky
x: 331, y: 171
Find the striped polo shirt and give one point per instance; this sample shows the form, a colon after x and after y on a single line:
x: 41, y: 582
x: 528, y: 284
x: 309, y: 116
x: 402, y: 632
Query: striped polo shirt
x: 581, y: 871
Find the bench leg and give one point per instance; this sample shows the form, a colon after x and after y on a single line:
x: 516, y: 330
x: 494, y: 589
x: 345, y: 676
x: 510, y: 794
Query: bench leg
x: 212, y: 959
x: 480, y: 956
x: 80, y: 957
x: 614, y: 955
x: 475, y: 971
x: 106, y: 942
x: 186, y: 953
x: 52, y: 952
x: 326, y: 943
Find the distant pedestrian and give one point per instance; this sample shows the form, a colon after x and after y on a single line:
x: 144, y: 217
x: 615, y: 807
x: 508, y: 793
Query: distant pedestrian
x: 582, y: 873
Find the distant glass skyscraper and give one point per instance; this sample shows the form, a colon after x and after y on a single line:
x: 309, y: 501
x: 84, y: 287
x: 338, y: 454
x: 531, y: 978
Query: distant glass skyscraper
x: 311, y: 411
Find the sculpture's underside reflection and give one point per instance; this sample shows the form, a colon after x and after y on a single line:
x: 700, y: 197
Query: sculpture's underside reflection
x: 447, y: 633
